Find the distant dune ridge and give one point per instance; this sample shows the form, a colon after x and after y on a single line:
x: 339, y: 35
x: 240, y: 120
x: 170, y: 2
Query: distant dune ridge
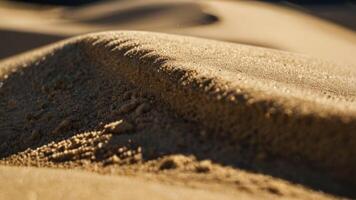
x: 247, y: 22
x: 59, y: 2
x: 288, y: 105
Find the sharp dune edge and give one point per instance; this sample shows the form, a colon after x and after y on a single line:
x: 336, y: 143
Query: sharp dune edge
x: 286, y: 105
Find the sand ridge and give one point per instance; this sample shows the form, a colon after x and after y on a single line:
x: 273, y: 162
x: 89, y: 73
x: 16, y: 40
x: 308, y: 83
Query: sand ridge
x: 276, y: 102
x: 106, y: 98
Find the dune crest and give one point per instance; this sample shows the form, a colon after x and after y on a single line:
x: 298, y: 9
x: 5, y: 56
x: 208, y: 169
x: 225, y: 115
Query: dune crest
x: 287, y: 105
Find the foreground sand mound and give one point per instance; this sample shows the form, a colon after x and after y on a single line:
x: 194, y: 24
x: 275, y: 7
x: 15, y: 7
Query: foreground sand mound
x: 137, y: 96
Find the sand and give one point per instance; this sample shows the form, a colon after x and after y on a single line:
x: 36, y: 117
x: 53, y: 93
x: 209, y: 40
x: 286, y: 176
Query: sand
x: 145, y: 114
x: 58, y: 184
x: 282, y: 27
x: 119, y: 99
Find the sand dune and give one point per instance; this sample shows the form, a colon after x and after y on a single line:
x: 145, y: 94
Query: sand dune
x: 267, y: 25
x: 141, y: 14
x: 167, y: 114
x: 258, y: 101
x: 235, y: 21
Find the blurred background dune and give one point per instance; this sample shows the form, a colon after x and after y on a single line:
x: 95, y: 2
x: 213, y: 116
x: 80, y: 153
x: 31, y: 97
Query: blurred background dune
x: 323, y: 29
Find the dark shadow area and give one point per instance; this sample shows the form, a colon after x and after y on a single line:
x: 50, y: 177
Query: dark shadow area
x: 207, y: 19
x: 15, y: 42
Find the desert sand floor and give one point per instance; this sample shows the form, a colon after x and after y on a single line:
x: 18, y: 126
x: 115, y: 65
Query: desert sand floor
x: 29, y: 183
x: 141, y: 114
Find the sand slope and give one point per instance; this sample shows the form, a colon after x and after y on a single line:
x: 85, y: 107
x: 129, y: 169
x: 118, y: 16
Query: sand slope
x: 284, y: 105
x: 31, y: 183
